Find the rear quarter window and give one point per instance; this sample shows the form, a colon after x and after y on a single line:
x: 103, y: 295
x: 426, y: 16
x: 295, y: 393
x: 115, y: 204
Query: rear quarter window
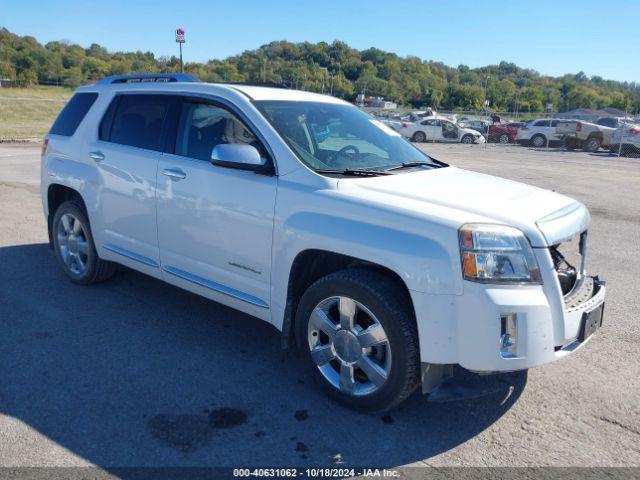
x: 73, y: 113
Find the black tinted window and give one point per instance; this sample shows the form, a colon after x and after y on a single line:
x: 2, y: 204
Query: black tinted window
x: 73, y: 113
x: 138, y: 121
x: 608, y: 122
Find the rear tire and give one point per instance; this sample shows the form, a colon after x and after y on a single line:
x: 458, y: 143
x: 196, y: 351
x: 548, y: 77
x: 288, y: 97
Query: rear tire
x: 504, y: 138
x: 591, y: 145
x: 357, y: 373
x: 538, y: 140
x: 74, y: 247
x: 419, y: 137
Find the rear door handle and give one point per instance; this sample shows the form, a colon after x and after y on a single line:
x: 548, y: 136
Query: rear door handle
x: 96, y: 156
x: 174, y: 173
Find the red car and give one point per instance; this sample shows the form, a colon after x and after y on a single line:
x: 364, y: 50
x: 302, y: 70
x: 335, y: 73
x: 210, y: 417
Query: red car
x: 504, y: 132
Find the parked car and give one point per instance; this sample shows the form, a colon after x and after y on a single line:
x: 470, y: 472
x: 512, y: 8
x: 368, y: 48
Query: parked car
x: 396, y: 122
x: 538, y: 133
x: 589, y: 136
x: 480, y: 126
x: 385, y: 266
x: 504, y: 132
x: 627, y: 135
x: 439, y: 130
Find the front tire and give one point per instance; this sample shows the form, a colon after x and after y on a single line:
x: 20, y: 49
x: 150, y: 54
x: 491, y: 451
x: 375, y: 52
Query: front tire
x: 359, y: 338
x: 74, y: 247
x: 504, y: 138
x: 467, y: 140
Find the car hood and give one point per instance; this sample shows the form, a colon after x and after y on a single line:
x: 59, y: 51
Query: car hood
x: 454, y: 196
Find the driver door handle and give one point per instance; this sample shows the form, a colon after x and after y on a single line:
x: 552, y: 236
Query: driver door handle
x: 174, y: 173
x: 96, y: 156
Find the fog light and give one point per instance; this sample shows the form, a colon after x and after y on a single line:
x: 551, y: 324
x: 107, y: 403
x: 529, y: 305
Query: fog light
x: 508, y: 335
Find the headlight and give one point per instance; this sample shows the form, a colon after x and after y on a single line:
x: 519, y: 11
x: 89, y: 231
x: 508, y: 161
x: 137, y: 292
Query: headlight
x: 497, y: 254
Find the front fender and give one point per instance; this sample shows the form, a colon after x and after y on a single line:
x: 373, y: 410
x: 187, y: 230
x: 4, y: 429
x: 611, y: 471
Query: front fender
x: 424, y: 264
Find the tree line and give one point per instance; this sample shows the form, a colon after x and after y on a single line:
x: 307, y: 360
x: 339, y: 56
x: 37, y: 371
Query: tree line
x: 330, y: 67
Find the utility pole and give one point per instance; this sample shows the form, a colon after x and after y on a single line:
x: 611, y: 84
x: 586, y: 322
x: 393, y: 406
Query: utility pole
x: 484, y: 101
x: 326, y: 71
x: 264, y: 70
x: 180, y: 40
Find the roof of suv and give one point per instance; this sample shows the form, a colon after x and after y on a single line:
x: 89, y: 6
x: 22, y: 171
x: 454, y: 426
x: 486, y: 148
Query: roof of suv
x: 168, y: 82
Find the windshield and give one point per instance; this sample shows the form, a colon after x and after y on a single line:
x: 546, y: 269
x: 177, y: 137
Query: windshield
x: 330, y: 137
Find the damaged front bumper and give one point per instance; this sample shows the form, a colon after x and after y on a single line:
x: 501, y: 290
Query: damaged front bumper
x: 509, y: 328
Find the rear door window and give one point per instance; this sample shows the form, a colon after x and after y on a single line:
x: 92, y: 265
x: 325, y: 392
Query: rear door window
x: 72, y: 114
x: 137, y: 121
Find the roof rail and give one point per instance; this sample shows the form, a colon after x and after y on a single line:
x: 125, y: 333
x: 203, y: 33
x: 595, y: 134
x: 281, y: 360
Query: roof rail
x: 284, y: 85
x: 148, y: 77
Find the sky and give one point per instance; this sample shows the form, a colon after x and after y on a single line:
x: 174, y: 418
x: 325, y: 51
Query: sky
x: 551, y: 36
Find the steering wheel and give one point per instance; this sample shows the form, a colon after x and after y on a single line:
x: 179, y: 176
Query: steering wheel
x: 349, y: 152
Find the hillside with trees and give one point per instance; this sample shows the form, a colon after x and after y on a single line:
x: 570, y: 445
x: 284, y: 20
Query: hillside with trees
x: 408, y: 81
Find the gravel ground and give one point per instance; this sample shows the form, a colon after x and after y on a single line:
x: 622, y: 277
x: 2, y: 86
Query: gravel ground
x: 134, y: 372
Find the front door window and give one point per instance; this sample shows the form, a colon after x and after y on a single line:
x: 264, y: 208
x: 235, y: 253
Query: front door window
x: 449, y: 131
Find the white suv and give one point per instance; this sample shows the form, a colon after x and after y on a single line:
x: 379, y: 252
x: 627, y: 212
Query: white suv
x: 538, y: 133
x: 384, y: 265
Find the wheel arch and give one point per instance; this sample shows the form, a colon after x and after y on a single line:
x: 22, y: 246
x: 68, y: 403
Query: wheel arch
x: 57, y: 194
x: 419, y: 132
x: 597, y: 135
x: 312, y: 264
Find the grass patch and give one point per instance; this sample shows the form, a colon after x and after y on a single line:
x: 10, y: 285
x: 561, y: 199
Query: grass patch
x: 29, y: 112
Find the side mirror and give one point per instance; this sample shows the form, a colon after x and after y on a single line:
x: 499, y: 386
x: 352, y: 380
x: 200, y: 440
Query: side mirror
x: 238, y: 155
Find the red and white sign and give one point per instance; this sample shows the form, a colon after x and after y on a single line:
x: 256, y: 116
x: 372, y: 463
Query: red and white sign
x: 180, y: 36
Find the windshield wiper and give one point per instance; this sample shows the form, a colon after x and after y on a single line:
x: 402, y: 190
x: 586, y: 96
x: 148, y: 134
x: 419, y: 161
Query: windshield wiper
x: 411, y: 165
x: 356, y: 172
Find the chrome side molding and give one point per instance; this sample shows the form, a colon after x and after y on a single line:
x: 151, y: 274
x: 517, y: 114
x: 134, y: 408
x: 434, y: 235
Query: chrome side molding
x: 216, y: 287
x: 129, y: 254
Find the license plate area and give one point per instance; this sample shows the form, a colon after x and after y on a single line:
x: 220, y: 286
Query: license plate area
x: 591, y: 321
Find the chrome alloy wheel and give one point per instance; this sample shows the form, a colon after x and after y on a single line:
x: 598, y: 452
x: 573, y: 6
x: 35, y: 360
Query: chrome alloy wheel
x: 72, y: 244
x: 349, y: 346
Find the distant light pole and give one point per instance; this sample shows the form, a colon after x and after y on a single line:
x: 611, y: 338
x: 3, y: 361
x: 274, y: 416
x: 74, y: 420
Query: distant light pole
x: 180, y: 40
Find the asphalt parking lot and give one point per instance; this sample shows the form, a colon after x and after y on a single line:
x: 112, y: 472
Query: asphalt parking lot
x: 134, y: 372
